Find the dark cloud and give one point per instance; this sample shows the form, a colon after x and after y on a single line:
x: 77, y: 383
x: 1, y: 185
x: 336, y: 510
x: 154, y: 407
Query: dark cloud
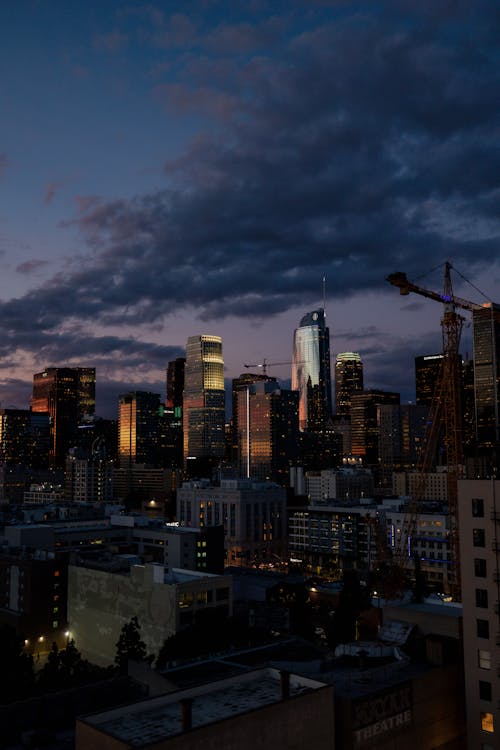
x: 29, y: 266
x: 356, y: 141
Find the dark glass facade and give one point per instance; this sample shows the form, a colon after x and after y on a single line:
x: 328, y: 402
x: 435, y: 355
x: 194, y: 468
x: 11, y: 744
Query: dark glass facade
x: 311, y: 371
x: 138, y: 428
x: 427, y: 377
x: 486, y: 342
x: 204, y: 398
x: 175, y: 383
x: 365, y: 423
x: 268, y: 430
x: 348, y: 380
x: 57, y: 391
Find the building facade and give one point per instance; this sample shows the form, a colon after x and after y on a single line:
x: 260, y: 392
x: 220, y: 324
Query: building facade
x: 268, y: 431
x: 138, y: 421
x: 311, y: 370
x: 348, y: 380
x: 253, y: 514
x: 204, y: 398
x: 479, y: 527
x: 486, y: 343
x: 58, y: 392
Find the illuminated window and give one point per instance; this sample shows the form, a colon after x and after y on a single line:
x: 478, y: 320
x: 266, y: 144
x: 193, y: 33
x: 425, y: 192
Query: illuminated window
x: 484, y: 659
x: 487, y: 721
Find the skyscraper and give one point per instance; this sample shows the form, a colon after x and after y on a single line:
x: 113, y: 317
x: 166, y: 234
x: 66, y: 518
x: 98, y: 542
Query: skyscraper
x: 486, y: 342
x: 204, y: 398
x: 138, y: 434
x: 268, y: 430
x: 56, y: 390
x: 311, y: 371
x: 427, y: 377
x: 175, y: 382
x: 365, y: 423
x: 348, y: 380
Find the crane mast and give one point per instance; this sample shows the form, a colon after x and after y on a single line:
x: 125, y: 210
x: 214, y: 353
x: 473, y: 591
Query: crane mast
x: 446, y: 410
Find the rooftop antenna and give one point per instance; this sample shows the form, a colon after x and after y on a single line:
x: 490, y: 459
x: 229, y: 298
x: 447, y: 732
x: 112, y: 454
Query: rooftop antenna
x: 324, y: 296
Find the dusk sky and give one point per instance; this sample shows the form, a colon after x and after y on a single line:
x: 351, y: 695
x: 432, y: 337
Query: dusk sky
x: 177, y: 168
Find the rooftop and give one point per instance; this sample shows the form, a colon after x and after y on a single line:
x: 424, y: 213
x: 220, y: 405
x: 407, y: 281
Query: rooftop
x: 152, y: 720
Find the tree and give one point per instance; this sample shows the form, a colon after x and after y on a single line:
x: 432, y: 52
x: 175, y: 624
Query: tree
x: 18, y: 675
x: 130, y: 645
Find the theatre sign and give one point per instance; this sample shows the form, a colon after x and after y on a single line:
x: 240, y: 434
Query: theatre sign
x: 381, y: 714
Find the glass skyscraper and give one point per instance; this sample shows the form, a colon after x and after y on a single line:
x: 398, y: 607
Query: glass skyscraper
x: 204, y: 413
x: 486, y: 341
x: 311, y: 371
x: 348, y: 380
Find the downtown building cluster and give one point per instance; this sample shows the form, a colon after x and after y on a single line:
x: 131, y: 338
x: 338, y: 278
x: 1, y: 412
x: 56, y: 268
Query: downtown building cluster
x: 168, y: 499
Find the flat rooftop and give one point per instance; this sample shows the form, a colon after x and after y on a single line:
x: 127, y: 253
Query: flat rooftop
x: 152, y: 720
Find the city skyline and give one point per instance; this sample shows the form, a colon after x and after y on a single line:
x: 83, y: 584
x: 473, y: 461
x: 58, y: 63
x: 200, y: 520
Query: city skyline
x: 202, y: 168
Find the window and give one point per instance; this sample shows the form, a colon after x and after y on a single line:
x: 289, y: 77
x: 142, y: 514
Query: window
x: 477, y: 507
x: 479, y: 567
x: 484, y: 659
x: 482, y: 598
x: 487, y: 721
x: 478, y: 538
x: 485, y: 690
x: 482, y: 628
x: 221, y: 595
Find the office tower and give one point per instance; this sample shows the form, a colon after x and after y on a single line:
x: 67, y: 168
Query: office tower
x: 348, y: 380
x: 268, y: 430
x: 89, y: 476
x: 243, y: 380
x: 486, y: 343
x: 138, y: 440
x: 24, y: 438
x: 365, y: 425
x: 204, y: 398
x: 311, y: 370
x: 427, y: 377
x: 175, y: 383
x: 56, y: 390
x: 468, y: 403
x: 401, y: 434
x: 86, y: 392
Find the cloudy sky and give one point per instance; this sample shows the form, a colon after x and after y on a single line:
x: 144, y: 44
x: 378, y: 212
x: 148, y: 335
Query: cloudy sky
x: 175, y: 168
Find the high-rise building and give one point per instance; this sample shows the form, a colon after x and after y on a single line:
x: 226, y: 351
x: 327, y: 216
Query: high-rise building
x: 427, y: 377
x: 56, y: 390
x: 348, y: 380
x: 175, y: 383
x: 86, y: 392
x: 478, y: 502
x: 138, y: 439
x: 243, y: 380
x: 24, y: 438
x: 268, y: 430
x: 365, y: 424
x: 311, y: 370
x: 204, y: 398
x: 486, y: 343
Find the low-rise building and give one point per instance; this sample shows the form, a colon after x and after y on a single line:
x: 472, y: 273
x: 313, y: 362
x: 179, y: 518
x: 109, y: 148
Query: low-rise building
x: 103, y: 595
x: 253, y: 514
x: 277, y: 711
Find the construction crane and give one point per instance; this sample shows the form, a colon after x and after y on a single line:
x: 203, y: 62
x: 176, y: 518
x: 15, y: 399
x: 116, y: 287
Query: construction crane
x: 446, y: 410
x: 265, y: 364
